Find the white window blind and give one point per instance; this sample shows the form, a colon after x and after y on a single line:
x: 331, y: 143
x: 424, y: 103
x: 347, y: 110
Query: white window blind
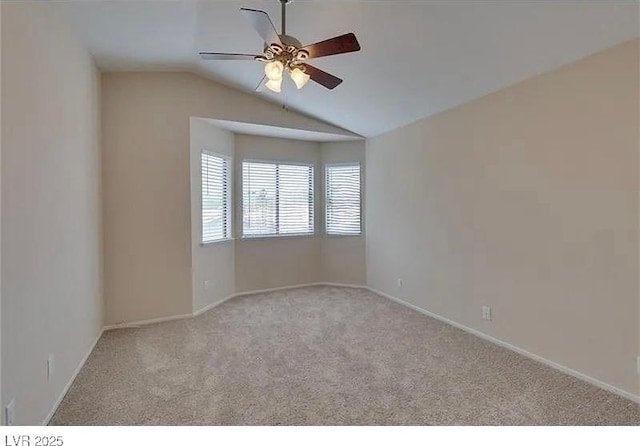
x: 216, y: 197
x: 277, y: 199
x: 342, y: 200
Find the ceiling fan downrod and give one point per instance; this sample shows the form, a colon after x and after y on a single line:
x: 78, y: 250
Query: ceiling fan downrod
x: 283, y: 6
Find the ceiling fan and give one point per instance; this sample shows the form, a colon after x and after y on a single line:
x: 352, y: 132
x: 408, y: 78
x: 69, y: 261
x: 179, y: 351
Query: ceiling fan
x: 285, y: 53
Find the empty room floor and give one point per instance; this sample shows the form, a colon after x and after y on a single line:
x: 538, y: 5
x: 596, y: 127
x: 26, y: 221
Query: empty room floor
x: 323, y: 356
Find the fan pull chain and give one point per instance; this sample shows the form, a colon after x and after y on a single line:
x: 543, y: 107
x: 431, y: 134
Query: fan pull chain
x: 285, y: 102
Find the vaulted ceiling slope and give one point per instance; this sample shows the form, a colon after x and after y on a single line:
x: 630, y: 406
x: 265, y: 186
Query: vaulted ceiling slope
x: 417, y: 58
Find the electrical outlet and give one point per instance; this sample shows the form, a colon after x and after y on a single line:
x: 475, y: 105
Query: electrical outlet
x: 50, y: 367
x: 10, y: 413
x: 206, y: 285
x: 400, y: 283
x: 486, y: 313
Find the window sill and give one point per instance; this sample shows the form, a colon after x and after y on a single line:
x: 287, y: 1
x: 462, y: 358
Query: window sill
x: 216, y: 242
x: 276, y: 237
x: 344, y: 235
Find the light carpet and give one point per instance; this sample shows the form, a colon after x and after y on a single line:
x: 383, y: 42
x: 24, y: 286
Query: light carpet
x: 323, y: 356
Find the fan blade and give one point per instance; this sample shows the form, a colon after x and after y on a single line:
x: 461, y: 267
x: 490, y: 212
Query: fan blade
x: 262, y: 24
x: 346, y: 43
x: 322, y: 77
x: 228, y: 56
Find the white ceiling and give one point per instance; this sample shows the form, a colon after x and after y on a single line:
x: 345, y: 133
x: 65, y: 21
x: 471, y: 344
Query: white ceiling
x: 417, y: 58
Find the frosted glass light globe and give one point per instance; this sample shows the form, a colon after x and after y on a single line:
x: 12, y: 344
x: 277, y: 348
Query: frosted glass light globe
x: 274, y: 70
x: 299, y: 77
x: 274, y: 85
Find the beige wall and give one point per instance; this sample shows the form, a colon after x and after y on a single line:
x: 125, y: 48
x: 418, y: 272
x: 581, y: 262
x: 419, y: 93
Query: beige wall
x: 51, y: 236
x: 281, y: 261
x: 212, y: 263
x: 342, y: 258
x: 525, y: 200
x: 146, y: 169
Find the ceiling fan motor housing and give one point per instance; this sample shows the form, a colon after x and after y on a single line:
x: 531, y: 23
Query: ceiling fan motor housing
x: 290, y: 41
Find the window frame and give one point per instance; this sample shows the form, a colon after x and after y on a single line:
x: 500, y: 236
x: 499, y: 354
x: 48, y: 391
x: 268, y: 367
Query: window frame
x: 325, y: 193
x: 310, y: 164
x: 228, y: 160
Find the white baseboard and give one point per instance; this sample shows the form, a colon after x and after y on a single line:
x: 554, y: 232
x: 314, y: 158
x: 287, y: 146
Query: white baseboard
x: 344, y: 285
x: 66, y: 388
x: 212, y: 305
x: 147, y: 322
x: 271, y: 290
x: 545, y: 361
x: 293, y: 287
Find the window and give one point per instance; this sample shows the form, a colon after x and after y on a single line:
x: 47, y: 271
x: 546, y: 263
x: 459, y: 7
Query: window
x: 216, y: 197
x: 277, y: 199
x: 342, y: 200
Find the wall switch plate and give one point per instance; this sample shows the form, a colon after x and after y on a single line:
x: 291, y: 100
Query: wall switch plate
x: 50, y: 367
x: 400, y: 283
x: 206, y: 285
x: 486, y: 313
x: 10, y: 413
